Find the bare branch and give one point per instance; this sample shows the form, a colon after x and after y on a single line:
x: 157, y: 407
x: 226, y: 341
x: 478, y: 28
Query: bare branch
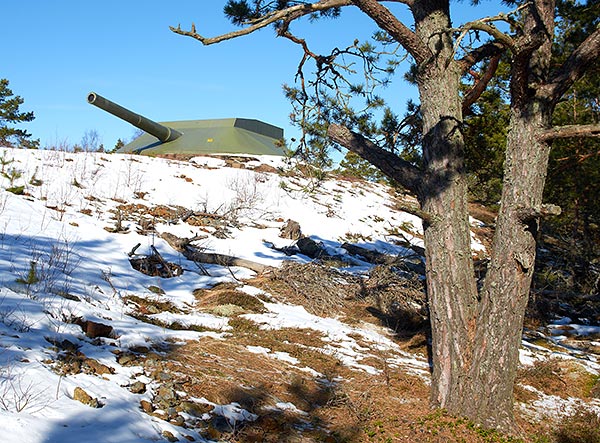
x: 500, y: 43
x: 387, y: 21
x: 390, y: 164
x: 491, y: 49
x: 192, y: 253
x: 287, y: 14
x: 482, y: 25
x: 579, y: 158
x: 472, y: 95
x: 570, y: 131
x: 526, y: 215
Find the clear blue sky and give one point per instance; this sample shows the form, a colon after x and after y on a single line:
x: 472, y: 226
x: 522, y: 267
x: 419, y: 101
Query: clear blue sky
x: 57, y: 51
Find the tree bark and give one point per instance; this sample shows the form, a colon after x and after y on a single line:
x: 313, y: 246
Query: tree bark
x: 506, y: 289
x: 451, y: 286
x: 503, y: 298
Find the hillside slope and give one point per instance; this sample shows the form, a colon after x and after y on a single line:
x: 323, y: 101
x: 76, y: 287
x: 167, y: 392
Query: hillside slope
x: 93, y: 349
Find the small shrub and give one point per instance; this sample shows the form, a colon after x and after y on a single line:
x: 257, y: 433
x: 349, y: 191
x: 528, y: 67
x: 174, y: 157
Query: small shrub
x: 156, y: 290
x: 17, y: 394
x: 34, y: 181
x: 150, y: 306
x: 12, y: 174
x: 17, y: 190
x: 31, y: 278
x: 243, y: 325
x: 4, y: 162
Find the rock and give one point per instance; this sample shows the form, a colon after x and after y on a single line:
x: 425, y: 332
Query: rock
x: 160, y: 414
x: 178, y: 420
x: 139, y: 349
x: 83, y: 397
x: 227, y: 310
x: 166, y: 397
x: 194, y: 409
x: 137, y: 388
x: 169, y: 436
x: 127, y: 359
x: 97, y: 367
x: 94, y: 329
x: 291, y: 229
x: 220, y: 424
x: 69, y: 346
x: 310, y: 247
x: 146, y: 406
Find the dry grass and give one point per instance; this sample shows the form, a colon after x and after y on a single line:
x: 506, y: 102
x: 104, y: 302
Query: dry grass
x: 339, y: 405
x: 226, y: 294
x: 259, y: 369
x: 555, y: 376
x: 582, y: 426
x: 384, y: 297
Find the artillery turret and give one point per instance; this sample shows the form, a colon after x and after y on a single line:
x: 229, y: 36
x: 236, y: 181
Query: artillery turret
x: 163, y: 133
x: 221, y: 136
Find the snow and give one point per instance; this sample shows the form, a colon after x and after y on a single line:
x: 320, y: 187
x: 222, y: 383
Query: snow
x: 60, y: 229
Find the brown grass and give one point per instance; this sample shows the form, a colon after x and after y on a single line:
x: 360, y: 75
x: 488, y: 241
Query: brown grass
x: 334, y: 402
x: 226, y: 294
x: 555, y: 376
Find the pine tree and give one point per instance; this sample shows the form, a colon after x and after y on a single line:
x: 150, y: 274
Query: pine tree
x: 475, y: 328
x: 10, y: 113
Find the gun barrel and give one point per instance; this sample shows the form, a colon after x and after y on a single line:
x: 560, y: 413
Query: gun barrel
x: 161, y: 132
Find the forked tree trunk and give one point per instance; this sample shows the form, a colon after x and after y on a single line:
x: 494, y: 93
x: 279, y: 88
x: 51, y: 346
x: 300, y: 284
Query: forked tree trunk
x: 506, y: 288
x: 476, y: 336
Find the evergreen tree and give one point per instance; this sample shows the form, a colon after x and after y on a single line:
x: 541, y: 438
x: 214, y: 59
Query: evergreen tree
x: 486, y: 125
x: 354, y: 166
x: 118, y: 145
x: 10, y: 113
x: 574, y: 169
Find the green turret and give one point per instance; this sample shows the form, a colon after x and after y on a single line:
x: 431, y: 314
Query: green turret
x: 201, y: 137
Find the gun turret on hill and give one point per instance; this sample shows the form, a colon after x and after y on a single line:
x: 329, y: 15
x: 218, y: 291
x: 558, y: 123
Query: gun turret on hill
x: 220, y: 136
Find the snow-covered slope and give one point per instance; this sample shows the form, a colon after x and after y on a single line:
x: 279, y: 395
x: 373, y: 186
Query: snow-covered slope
x: 59, y: 262
x: 65, y: 240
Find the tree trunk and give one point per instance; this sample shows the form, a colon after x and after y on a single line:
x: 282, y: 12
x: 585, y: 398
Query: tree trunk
x: 506, y: 289
x: 451, y: 285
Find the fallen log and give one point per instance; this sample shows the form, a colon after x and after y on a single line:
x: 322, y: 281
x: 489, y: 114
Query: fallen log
x: 192, y: 253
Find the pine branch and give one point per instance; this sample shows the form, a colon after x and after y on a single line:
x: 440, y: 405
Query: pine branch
x: 500, y: 43
x: 475, y: 92
x: 570, y: 131
x: 287, y: 15
x: 488, y: 50
x: 574, y: 67
x: 387, y: 21
x: 390, y: 164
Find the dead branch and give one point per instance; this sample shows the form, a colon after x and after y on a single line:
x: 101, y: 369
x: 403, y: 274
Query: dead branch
x: 287, y: 14
x: 574, y: 67
x: 192, y: 253
x: 480, y: 84
x: 161, y: 260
